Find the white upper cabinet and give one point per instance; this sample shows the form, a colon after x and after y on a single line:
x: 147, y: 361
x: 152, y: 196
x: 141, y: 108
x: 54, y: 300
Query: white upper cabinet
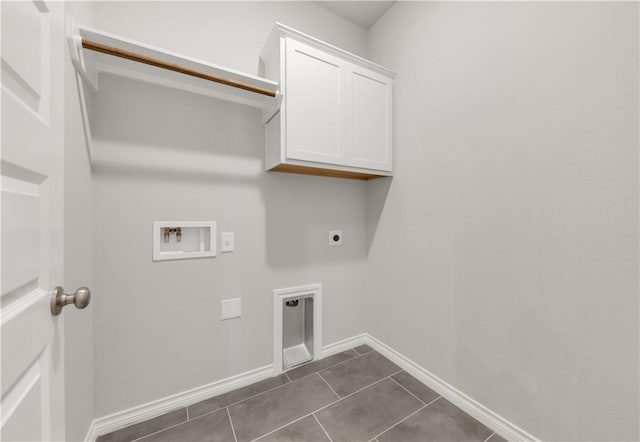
x: 334, y: 118
x: 368, y: 109
x: 315, y: 101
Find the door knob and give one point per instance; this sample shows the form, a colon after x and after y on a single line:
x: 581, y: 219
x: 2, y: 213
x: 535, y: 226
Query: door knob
x: 80, y: 299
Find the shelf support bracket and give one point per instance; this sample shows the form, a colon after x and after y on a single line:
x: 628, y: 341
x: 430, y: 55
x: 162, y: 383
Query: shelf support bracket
x: 77, y: 58
x: 270, y: 110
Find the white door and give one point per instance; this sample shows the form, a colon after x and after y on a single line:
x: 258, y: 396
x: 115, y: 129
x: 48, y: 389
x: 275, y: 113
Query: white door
x: 314, y: 95
x: 32, y: 380
x: 368, y: 119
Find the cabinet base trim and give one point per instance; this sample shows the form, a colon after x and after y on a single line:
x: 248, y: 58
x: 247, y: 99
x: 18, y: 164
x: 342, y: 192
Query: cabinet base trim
x: 306, y: 170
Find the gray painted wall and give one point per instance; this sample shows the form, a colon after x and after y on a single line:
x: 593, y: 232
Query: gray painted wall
x: 78, y: 252
x: 504, y: 255
x: 164, y: 154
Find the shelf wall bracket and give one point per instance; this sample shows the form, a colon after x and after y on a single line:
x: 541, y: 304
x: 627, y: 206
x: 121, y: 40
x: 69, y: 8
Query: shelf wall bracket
x: 270, y: 110
x: 77, y: 56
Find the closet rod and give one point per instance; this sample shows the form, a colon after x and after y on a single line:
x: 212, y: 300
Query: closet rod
x: 110, y: 50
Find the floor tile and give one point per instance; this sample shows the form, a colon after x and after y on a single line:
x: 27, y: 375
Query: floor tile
x: 496, y: 438
x: 442, y: 422
x: 138, y: 430
x: 215, y: 403
x: 306, y: 429
x: 362, y: 349
x: 315, y: 366
x: 424, y: 393
x: 212, y: 427
x: 264, y: 413
x: 358, y: 373
x: 368, y: 412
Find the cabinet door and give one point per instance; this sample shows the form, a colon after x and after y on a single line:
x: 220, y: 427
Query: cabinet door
x: 314, y: 96
x: 368, y: 119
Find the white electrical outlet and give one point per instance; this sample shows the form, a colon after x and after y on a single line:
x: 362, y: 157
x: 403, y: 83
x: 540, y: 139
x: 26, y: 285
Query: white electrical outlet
x: 335, y: 237
x: 227, y: 242
x: 231, y: 308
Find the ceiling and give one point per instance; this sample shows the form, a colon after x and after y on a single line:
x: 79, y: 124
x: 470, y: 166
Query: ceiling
x: 363, y: 13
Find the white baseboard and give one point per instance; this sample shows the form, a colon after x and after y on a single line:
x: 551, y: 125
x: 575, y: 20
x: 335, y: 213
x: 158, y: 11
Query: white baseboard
x: 158, y: 407
x: 92, y: 434
x: 345, y: 344
x: 140, y: 413
x: 470, y: 406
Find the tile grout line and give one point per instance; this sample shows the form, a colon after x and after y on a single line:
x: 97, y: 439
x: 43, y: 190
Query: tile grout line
x: 213, y: 411
x: 330, y: 366
x: 241, y: 400
x: 490, y: 436
x: 363, y: 388
x: 161, y: 430
x: 368, y: 351
x: 231, y: 423
x: 295, y: 420
x: 258, y: 394
x: 328, y: 405
x: 399, y: 422
x: 271, y: 389
x: 325, y: 431
x: 325, y: 381
x: 357, y: 355
x: 429, y: 403
x: 237, y: 402
x: 407, y: 390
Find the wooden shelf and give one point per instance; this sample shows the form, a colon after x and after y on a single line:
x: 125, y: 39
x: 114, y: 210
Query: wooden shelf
x: 94, y: 52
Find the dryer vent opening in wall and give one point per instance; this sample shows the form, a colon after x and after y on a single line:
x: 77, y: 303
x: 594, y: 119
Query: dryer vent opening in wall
x: 297, y: 331
x: 297, y: 326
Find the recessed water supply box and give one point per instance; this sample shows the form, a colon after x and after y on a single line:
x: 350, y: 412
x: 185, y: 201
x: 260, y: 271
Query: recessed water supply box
x: 183, y: 239
x: 297, y: 326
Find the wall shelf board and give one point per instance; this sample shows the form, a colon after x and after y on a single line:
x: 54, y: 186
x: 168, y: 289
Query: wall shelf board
x: 118, y: 61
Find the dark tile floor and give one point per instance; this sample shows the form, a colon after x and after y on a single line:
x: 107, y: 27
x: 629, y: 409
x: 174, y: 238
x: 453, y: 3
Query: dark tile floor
x: 356, y: 395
